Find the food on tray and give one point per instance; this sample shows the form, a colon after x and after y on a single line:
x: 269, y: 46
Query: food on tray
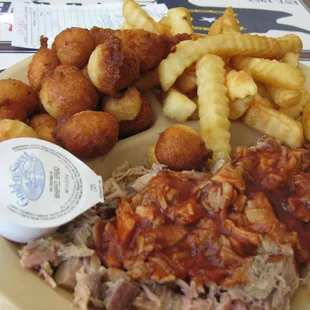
x: 137, y: 18
x: 290, y: 43
x: 149, y: 48
x: 270, y: 71
x: 238, y: 107
x: 236, y: 239
x: 42, y: 62
x: 44, y: 124
x: 66, y: 91
x: 88, y: 134
x: 131, y: 109
x: 17, y: 100
x: 148, y: 80
x: 187, y: 82
x: 180, y: 21
x: 100, y: 35
x: 142, y: 122
x: 227, y: 23
x: 10, y: 129
x: 296, y: 110
x: 291, y: 59
x: 73, y: 46
x: 275, y: 124
x: 213, y: 106
x: 180, y: 147
x: 178, y: 106
x: 224, y: 45
x: 111, y: 67
x: 123, y: 106
x: 284, y: 97
x: 240, y: 84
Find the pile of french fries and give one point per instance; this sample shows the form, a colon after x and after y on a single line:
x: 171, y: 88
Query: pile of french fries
x: 226, y: 76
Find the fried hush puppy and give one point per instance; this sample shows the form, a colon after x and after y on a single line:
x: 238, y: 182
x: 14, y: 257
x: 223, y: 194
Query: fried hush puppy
x: 73, y: 46
x: 132, y: 110
x: 10, y: 129
x: 44, y: 125
x: 17, y: 100
x: 180, y: 148
x: 112, y: 67
x: 43, y: 61
x: 100, y: 35
x: 66, y: 91
x: 88, y: 134
x: 149, y: 48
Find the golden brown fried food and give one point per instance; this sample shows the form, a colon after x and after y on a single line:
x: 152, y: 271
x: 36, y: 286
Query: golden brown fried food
x: 88, y: 134
x: 181, y: 148
x: 17, y: 100
x: 132, y: 111
x: 44, y: 124
x: 10, y: 129
x: 112, y: 67
x: 123, y: 106
x: 142, y: 122
x: 43, y: 61
x: 148, y: 47
x: 85, y: 71
x: 66, y: 91
x: 73, y: 46
x: 100, y: 35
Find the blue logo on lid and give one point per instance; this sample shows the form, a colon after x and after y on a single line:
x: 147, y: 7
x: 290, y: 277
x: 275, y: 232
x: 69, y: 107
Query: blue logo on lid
x: 28, y: 177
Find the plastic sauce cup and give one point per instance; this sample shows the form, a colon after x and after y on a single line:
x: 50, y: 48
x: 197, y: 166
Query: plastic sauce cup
x: 42, y: 186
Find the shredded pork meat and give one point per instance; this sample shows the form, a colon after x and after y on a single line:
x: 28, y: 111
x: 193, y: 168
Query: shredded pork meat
x: 164, y: 240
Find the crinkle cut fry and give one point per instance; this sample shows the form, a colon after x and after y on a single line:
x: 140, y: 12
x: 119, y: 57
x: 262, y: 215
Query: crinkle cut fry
x: 213, y: 106
x: 270, y: 72
x: 227, y: 23
x: 225, y: 45
x: 137, y: 18
x: 290, y: 43
x: 275, y: 124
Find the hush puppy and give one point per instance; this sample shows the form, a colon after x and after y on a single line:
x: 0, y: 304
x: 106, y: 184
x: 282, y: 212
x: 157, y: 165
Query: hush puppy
x: 17, y: 100
x: 66, y: 91
x: 43, y: 61
x: 44, y: 125
x: 181, y: 148
x: 131, y: 109
x: 88, y: 134
x: 112, y: 67
x: 149, y: 48
x: 10, y: 129
x: 73, y: 46
x: 100, y: 35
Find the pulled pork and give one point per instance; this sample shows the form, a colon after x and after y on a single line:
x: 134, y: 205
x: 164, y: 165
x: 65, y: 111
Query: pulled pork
x: 231, y: 240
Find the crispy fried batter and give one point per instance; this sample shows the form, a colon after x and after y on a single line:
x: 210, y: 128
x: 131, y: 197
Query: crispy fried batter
x: 10, y: 129
x: 181, y: 148
x: 148, y: 47
x: 44, y: 124
x: 66, y: 91
x: 88, y: 134
x: 142, y: 122
x: 17, y: 100
x: 43, y: 61
x: 111, y: 67
x: 100, y: 35
x: 131, y: 109
x: 73, y: 46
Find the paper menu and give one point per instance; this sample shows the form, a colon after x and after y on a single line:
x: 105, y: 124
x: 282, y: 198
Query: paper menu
x: 31, y: 21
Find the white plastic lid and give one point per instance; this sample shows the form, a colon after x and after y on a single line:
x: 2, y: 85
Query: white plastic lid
x: 42, y: 186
